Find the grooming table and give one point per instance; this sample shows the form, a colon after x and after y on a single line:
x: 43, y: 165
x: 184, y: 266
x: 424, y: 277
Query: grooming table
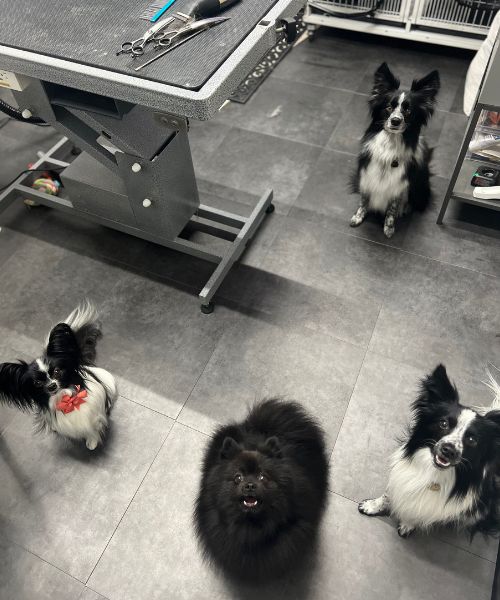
x: 135, y: 172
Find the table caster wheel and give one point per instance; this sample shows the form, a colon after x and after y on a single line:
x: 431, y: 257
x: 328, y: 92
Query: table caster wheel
x: 207, y: 309
x: 270, y: 209
x: 311, y: 34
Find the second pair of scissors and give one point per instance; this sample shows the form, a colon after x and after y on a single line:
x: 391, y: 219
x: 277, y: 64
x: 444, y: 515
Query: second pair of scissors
x: 167, y: 38
x: 136, y: 48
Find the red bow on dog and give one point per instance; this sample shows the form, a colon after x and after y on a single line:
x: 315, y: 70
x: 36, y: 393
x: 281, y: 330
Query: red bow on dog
x: 68, y: 403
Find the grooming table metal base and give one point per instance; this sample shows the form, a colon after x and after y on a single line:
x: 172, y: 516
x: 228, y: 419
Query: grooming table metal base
x: 218, y: 223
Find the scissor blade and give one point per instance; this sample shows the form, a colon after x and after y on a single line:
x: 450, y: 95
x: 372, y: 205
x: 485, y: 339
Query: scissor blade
x: 195, y: 28
x: 170, y: 48
x: 204, y: 23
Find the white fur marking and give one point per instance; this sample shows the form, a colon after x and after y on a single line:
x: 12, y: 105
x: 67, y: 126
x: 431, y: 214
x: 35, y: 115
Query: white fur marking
x: 414, y: 503
x: 44, y: 367
x: 380, y: 182
x: 456, y: 436
x: 495, y: 388
x: 90, y: 420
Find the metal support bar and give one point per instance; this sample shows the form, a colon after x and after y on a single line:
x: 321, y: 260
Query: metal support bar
x: 218, y: 223
x: 473, y: 119
x: 242, y: 239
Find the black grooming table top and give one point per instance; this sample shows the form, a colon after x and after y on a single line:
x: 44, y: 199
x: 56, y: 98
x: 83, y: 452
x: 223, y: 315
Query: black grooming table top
x: 91, y: 33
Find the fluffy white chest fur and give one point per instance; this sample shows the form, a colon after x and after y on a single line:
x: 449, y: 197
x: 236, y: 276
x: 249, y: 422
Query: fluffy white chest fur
x: 90, y: 420
x: 419, y: 492
x: 381, y: 182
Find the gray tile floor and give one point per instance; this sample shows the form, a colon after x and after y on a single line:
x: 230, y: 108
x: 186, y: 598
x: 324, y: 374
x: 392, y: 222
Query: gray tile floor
x: 341, y: 320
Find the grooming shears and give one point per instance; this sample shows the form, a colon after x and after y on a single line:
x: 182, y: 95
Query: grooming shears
x: 167, y: 38
x: 136, y: 48
x: 174, y: 39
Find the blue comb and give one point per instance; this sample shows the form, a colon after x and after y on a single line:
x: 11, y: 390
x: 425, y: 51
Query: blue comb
x: 156, y: 10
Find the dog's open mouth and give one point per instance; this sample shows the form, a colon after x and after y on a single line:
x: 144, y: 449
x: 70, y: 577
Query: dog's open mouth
x: 441, y: 462
x: 250, y: 502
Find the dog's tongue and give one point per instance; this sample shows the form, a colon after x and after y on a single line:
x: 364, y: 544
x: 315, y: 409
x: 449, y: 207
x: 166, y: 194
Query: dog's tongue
x: 250, y: 501
x: 442, y: 461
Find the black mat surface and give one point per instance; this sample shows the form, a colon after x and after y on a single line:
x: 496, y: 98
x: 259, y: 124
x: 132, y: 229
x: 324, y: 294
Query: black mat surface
x: 91, y: 32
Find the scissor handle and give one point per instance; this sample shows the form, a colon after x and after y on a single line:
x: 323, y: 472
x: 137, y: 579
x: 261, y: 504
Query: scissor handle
x: 161, y: 35
x: 127, y: 47
x: 167, y: 40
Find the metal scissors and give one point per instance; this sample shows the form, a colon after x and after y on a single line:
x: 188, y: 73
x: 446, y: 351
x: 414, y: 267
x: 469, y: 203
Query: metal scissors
x: 167, y: 38
x: 182, y: 36
x: 136, y: 48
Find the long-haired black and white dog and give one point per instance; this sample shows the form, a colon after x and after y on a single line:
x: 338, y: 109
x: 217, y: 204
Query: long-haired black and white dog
x: 263, y: 491
x: 446, y: 471
x: 67, y: 393
x: 392, y: 174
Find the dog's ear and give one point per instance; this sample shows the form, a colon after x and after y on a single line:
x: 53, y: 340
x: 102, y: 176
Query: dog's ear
x: 493, y: 415
x: 12, y: 384
x: 230, y: 448
x: 384, y: 81
x: 428, y: 86
x: 272, y: 447
x: 62, y: 343
x: 437, y: 386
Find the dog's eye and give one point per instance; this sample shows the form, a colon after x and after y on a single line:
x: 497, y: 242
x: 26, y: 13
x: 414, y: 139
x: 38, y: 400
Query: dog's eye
x: 471, y: 441
x: 261, y: 477
x: 38, y: 383
x: 238, y: 478
x: 443, y: 423
x: 57, y: 372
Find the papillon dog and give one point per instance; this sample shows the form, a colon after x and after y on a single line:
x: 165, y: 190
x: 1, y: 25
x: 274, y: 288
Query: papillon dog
x: 68, y: 394
x: 393, y: 173
x: 446, y: 470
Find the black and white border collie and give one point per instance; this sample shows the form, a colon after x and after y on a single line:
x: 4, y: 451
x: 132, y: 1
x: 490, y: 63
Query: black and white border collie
x: 67, y: 393
x: 446, y: 471
x: 392, y: 174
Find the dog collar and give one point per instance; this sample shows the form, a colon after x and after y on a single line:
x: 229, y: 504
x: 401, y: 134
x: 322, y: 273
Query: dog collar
x: 435, y: 487
x: 68, y: 404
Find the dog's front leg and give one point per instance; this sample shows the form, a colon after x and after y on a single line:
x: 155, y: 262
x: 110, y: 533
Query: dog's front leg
x: 405, y: 530
x: 390, y: 217
x: 377, y: 507
x: 360, y: 215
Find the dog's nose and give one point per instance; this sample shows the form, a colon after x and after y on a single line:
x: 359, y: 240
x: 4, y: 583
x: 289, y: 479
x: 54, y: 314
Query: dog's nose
x: 395, y: 121
x: 449, y: 451
x: 52, y: 387
x: 249, y: 487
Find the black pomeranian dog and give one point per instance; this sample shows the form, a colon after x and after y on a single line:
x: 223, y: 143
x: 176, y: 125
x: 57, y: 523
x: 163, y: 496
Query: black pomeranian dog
x: 263, y: 491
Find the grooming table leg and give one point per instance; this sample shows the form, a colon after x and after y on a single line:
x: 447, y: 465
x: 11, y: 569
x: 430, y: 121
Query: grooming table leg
x: 242, y: 239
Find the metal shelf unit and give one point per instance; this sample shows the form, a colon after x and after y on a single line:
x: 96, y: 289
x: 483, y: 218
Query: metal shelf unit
x: 443, y: 22
x: 488, y: 98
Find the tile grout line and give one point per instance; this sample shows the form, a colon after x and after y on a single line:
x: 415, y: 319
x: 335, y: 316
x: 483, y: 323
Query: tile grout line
x: 10, y: 540
x: 319, y: 85
x: 397, y: 248
x: 339, y: 89
x: 198, y: 378
x: 128, y: 505
x: 356, y: 382
x: 193, y: 429
x: 86, y: 587
x: 434, y: 537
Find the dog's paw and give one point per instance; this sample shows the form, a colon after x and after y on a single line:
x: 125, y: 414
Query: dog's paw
x: 405, y: 531
x: 356, y: 220
x: 372, y: 508
x: 91, y: 443
x: 389, y: 231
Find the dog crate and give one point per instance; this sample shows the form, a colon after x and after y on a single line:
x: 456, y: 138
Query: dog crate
x: 453, y: 16
x: 456, y: 23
